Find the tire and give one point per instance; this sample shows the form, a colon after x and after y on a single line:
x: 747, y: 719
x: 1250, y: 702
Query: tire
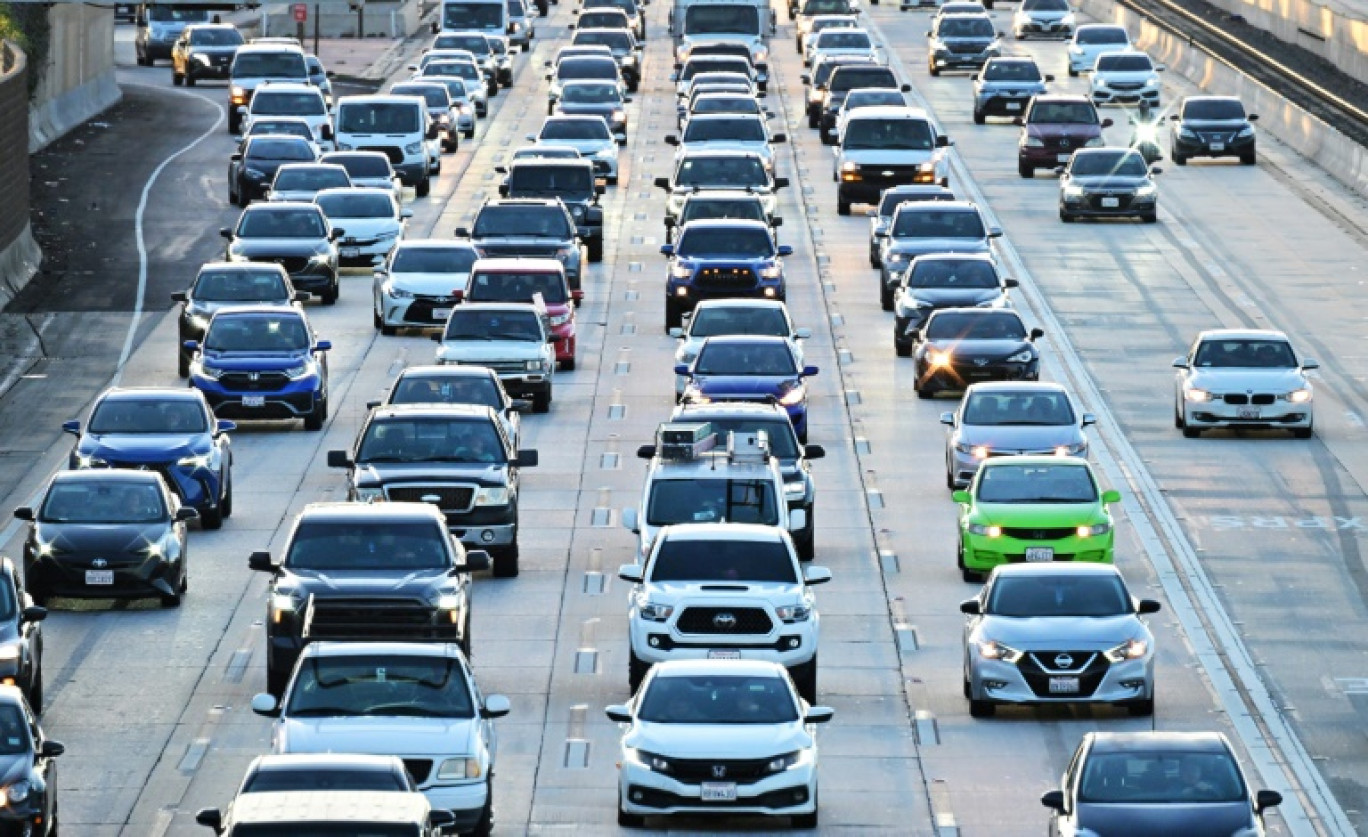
x: 925, y: 393
x: 226, y: 504
x: 541, y: 402
x: 1141, y: 708
x: 594, y: 246
x: 212, y: 519
x: 612, y: 179
x: 182, y: 365
x: 842, y: 206
x: 980, y: 117
x: 469, y: 133
x: 234, y: 123
x: 806, y: 546
x: 807, y: 821
x: 1178, y: 159
x: 568, y: 365
x: 967, y: 689
x: 1066, y: 217
x: 935, y: 71
x: 451, y: 145
x: 1303, y: 432
x: 189, y: 80
x: 636, y: 671
x: 885, y: 296
x: 1150, y: 217
x: 626, y: 820
x: 35, y: 691
x: 550, y: 109
x: 314, y: 421
x: 981, y: 708
x: 177, y: 79
x: 1191, y: 432
x: 1025, y: 171
x: 276, y: 681
x: 424, y: 187
x: 1178, y: 421
x: 805, y: 679
x: 813, y: 120
x: 1249, y: 158
x: 674, y: 317
x: 330, y: 296
x: 902, y: 349
x: 1073, y: 73
x: 505, y: 560
x: 484, y: 826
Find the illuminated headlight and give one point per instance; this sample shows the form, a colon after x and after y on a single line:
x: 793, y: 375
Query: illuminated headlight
x: 1071, y: 450
x: 153, y: 551
x: 1246, y: 131
x: 1152, y: 81
x: 1033, y: 142
x: 976, y: 451
x: 17, y: 792
x: 985, y: 530
x: 1095, y: 142
x: 1299, y: 396
x: 492, y: 496
x: 650, y: 761
x: 994, y: 650
x: 9, y: 653
x: 460, y: 768
x: 369, y: 495
x: 814, y: 95
x: 794, y: 489
x: 606, y: 152
x: 238, y: 95
x: 198, y: 321
x: 533, y: 365
x: 448, y: 601
x: 281, y: 604
x: 790, y: 614
x: 203, y: 460
x: 413, y: 148
x: 1023, y: 356
x: 619, y: 116
x: 393, y: 291
x: 320, y: 258
x: 83, y: 461
x: 1131, y: 649
x: 850, y: 167
x: 628, y: 60
x: 680, y: 271
x: 794, y: 397
x: 1067, y: 20
x: 1099, y: 81
x: 1094, y: 530
x: 760, y: 56
x: 1199, y: 396
x: 298, y: 371
x: 939, y: 359
x: 773, y: 271
x: 653, y: 612
x: 1149, y: 190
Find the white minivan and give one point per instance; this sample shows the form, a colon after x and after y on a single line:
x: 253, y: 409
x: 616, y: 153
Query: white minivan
x: 397, y: 126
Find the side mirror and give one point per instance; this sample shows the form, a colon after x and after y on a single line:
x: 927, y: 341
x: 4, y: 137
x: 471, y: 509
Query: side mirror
x: 1037, y: 333
x: 646, y: 452
x: 600, y: 187
x: 1089, y: 419
x: 809, y: 371
x: 476, y: 561
x: 947, y: 419
x: 818, y: 715
x: 1049, y: 78
x: 1310, y: 363
x: 906, y: 88
x: 326, y: 132
x: 1254, y: 117
x: 301, y: 296
x: 1053, y: 799
x: 805, y: 78
x: 495, y: 706
x: 1148, y: 606
x: 630, y: 521
x: 971, y: 607
x: 781, y: 182
x: 960, y: 496
x: 339, y: 459
x: 225, y: 232
x: 995, y: 232
x: 942, y: 141
x: 671, y: 139
x: 619, y: 713
x: 1111, y: 496
x: 802, y: 333
x: 797, y: 519
x: 667, y: 250
x: 527, y: 459
x: 72, y: 427
x: 179, y: 296
x: 261, y: 562
x: 323, y: 346
x: 816, y: 575
x: 501, y: 169
x: 461, y: 232
x: 34, y: 614
x: 187, y: 513
x: 1266, y: 799
x: 1173, y: 117
x: 265, y: 705
x: 777, y: 221
x: 1059, y: 170
x: 503, y: 190
x: 632, y: 572
x: 1106, y: 123
x: 811, y: 452
x: 336, y: 234
x: 1180, y: 363
x: 23, y: 513
x: 662, y: 183
x: 441, y: 818
x: 213, y: 817
x: 406, y: 213
x: 779, y: 138
x: 236, y: 156
x: 1010, y: 283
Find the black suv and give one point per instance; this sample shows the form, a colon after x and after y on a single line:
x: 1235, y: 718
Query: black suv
x: 845, y: 78
x: 221, y: 284
x: 252, y: 168
x: 457, y: 457
x: 570, y: 180
x: 531, y: 228
x: 297, y: 236
x: 21, y: 636
x: 360, y: 571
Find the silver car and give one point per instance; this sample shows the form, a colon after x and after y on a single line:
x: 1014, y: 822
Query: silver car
x: 1057, y: 633
x: 1011, y: 418
x: 1243, y: 378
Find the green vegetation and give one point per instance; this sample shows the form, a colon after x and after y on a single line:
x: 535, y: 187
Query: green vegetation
x: 26, y: 24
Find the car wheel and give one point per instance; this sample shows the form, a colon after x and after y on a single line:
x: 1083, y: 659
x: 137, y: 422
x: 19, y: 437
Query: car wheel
x: 332, y: 293
x: 211, y: 519
x: 812, y: 121
x: 469, y: 133
x: 885, y: 296
x: 1178, y: 421
x: 674, y: 317
x: 1025, y: 171
x: 177, y: 79
x: 1178, y: 159
x: 901, y: 348
x: 611, y: 179
x: 541, y: 402
x: 189, y: 80
x: 968, y: 690
x: 314, y: 420
x: 827, y: 139
x: 1248, y: 158
x: 805, y: 679
x: 595, y: 249
x: 227, y: 502
x: 35, y: 691
x: 1303, y: 432
x: 979, y: 117
x: 925, y: 392
x: 981, y: 709
x: 568, y: 365
x: 1072, y: 72
x: 1066, y: 217
x: 182, y: 365
x: 842, y: 206
x: 636, y: 671
x: 806, y: 821
x: 1191, y: 432
x: 935, y: 71
x: 484, y: 826
x: 1150, y: 217
x: 505, y: 560
x: 424, y: 187
x: 1141, y: 708
x: 950, y: 478
x: 626, y: 820
x: 276, y: 681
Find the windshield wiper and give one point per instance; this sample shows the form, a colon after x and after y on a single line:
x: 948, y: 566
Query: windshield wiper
x: 320, y: 711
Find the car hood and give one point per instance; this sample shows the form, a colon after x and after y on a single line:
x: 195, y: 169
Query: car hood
x: 721, y: 593
x: 258, y: 249
x: 372, y: 182
x: 1038, y: 515
x: 258, y: 360
x: 1213, y: 124
x: 380, y: 735
x: 206, y: 308
x: 435, y: 284
x: 391, y: 473
x: 143, y: 447
x: 582, y: 146
x: 593, y: 108
x: 885, y: 156
x: 721, y: 741
x: 214, y: 50
x: 1077, y: 131
x: 363, y: 582
x: 1012, y: 87
x: 1020, y: 437
x: 1137, y: 820
x: 1126, y: 76
x: 477, y: 351
x: 1107, y: 181
x: 1082, y: 633
x: 951, y: 297
x: 922, y: 246
x: 1043, y: 15
x: 1256, y: 380
x: 754, y: 146
x: 366, y: 227
x: 758, y: 385
x: 993, y: 349
x: 100, y: 537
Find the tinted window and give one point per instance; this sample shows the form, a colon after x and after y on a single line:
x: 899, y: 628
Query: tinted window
x: 256, y: 332
x: 949, y: 326
x: 544, y: 221
x: 575, y: 129
x: 317, y: 778
x: 826, y: 7
x: 470, y: 323
x: 269, y: 65
x: 604, y: 19
x: 432, y: 260
x: 707, y: 209
x: 704, y: 20
x: 294, y: 129
x: 1058, y: 595
x: 589, y: 68
x: 901, y: 134
x: 616, y: 39
x: 279, y: 149
x: 850, y: 78
x: 1167, y: 776
x: 147, y: 415
x: 1249, y: 354
x: 965, y: 27
x: 378, y: 118
x: 591, y: 93
x: 724, y: 104
x: 733, y: 172
x: 1130, y: 62
x: 737, y: 130
x: 436, y: 97
x: 281, y: 223
x: 366, y: 165
x: 368, y: 545
x: 892, y: 200
x: 431, y: 439
x: 356, y: 206
x: 743, y: 242
x: 866, y: 98
x: 718, y: 700
x: 460, y: 69
x: 715, y: 321
x: 1102, y: 35
x: 169, y: 14
x: 380, y: 686
x: 1120, y: 163
x: 103, y: 501
x: 518, y: 287
x: 745, y: 359
x: 999, y: 409
x: 287, y: 104
x: 239, y: 286
x: 1213, y: 109
x: 445, y: 389
x: 311, y: 179
x: 843, y: 40
x: 1037, y: 484
x: 711, y: 501
x: 214, y: 37
x: 952, y: 274
x: 473, y: 16
x: 950, y: 223
x: 1045, y: 5
x: 714, y: 560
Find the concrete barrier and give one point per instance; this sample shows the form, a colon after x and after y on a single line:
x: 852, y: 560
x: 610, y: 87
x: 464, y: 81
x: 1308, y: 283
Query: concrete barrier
x: 18, y: 264
x: 1334, y: 31
x: 78, y: 80
x: 19, y: 253
x: 1341, y: 157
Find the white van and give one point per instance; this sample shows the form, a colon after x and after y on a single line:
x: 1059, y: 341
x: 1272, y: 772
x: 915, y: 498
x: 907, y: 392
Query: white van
x: 397, y: 126
x: 487, y: 16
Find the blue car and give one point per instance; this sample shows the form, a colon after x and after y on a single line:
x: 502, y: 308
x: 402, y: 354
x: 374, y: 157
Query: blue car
x: 722, y: 259
x: 262, y: 363
x: 170, y: 431
x: 749, y: 368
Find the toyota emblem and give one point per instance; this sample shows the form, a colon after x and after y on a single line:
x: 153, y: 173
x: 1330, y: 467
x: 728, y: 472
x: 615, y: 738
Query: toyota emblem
x: 719, y: 771
x: 885, y: 174
x: 980, y: 361
x: 1063, y: 661
x: 99, y: 563
x: 725, y: 621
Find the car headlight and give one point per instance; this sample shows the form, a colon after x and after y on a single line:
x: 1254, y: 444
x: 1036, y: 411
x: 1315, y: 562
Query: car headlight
x: 369, y: 494
x: 257, y: 174
x: 628, y: 60
x: 449, y: 601
x: 18, y: 792
x: 282, y: 604
x: 991, y: 649
x: 779, y: 764
x: 1075, y: 449
x: 413, y: 148
x: 1023, y: 356
x: 654, y: 612
x: 772, y: 271
x: 794, y: 489
x: 1299, y: 396
x: 1148, y: 190
x: 200, y: 460
x: 976, y: 451
x: 1095, y: 142
x: 83, y: 461
x: 238, y: 95
x: 1199, y: 396
x: 1067, y: 20
x: 1187, y: 133
x: 814, y: 96
x: 680, y: 271
x: 559, y: 319
x: 198, y: 321
x: 650, y: 761
x: 850, y: 167
x: 939, y: 359
x: 299, y: 370
x: 1073, y: 191
x: 1246, y: 131
x: 460, y: 768
x: 619, y: 116
x: 1033, y: 142
x: 985, y: 530
x: 210, y: 371
x: 320, y: 258
x: 1094, y: 530
x: 789, y: 614
x: 492, y: 496
x: 10, y: 653
x: 794, y: 397
x: 577, y: 211
x: 393, y: 291
x: 533, y: 365
x: 1131, y: 649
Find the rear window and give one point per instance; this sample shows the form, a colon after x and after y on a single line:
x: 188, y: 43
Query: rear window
x: 517, y: 287
x: 367, y: 166
x: 269, y: 65
x: 1130, y: 62
x: 587, y: 68
x: 711, y: 501
x: 356, y: 206
x: 239, y: 286
x: 551, y: 180
x: 716, y: 321
x: 852, y: 77
x: 287, y: 104
x: 448, y: 389
x: 317, y: 778
x: 938, y: 224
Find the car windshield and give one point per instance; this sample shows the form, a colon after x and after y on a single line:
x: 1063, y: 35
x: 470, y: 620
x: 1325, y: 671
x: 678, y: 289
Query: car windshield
x: 725, y: 242
x: 901, y: 134
x: 589, y: 128
x: 380, y: 686
x: 591, y: 94
x: 1101, y: 35
x: 1130, y: 62
x: 708, y: 209
x: 1011, y: 71
x: 679, y: 559
x: 768, y: 359
x: 103, y: 501
x: 938, y: 223
x: 1115, y: 163
x: 267, y: 148
x: 952, y: 274
x: 1003, y: 409
x: 605, y: 68
x: 836, y: 39
x: 268, y: 103
x: 363, y: 165
x: 711, y: 501
x: 446, y: 389
x: 269, y: 65
x: 256, y: 333
x: 1037, y: 483
x: 432, y: 259
x: 457, y: 16
x: 541, y: 221
x: 708, y: 19
x: 826, y: 7
x: 357, y: 206
x: 316, y: 777
x: 380, y: 545
x: 1245, y: 354
x: 431, y: 439
x: 1165, y: 777
x: 14, y: 735
x: 294, y: 829
x: 214, y: 37
x: 148, y: 415
x: 604, y: 19
x: 999, y: 325
x: 550, y: 152
x: 240, y: 286
x: 311, y: 179
x: 171, y: 14
x: 455, y: 85
x: 508, y: 286
x: 873, y: 97
x: 714, y: 321
x: 551, y: 180
x: 436, y: 96
x: 968, y: 26
x: 852, y: 78
x: 783, y: 442
x: 714, y: 64
x: 378, y: 118
x: 284, y: 126
x: 731, y: 172
x: 736, y: 130
x: 1045, y: 5
x: 711, y: 699
x: 270, y: 222
x: 1052, y: 595
x: 453, y: 69
x: 471, y: 323
x: 724, y: 104
x: 474, y: 43
x: 1063, y: 113
x: 1214, y: 109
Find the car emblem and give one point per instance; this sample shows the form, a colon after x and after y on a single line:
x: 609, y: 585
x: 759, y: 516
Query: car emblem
x: 719, y: 771
x: 1063, y: 661
x: 885, y: 174
x: 725, y: 621
x: 253, y: 376
x: 99, y: 563
x: 980, y: 361
x: 430, y: 498
x: 1064, y: 143
x: 144, y: 468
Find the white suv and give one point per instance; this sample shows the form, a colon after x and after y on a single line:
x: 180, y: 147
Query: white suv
x: 1125, y: 78
x: 724, y: 591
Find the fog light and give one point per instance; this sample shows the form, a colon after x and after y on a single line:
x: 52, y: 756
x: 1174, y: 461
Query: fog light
x: 637, y: 796
x: 1132, y: 684
x: 654, y: 642
x: 995, y: 684
x: 794, y: 642
x: 487, y: 536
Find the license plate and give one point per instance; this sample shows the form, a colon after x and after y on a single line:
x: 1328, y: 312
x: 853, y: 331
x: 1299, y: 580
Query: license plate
x: 1218, y: 146
x: 1063, y: 158
x: 1014, y: 105
x: 719, y: 792
x: 350, y: 252
x: 1110, y: 203
x: 1063, y: 685
x: 104, y: 577
x: 723, y: 654
x: 254, y: 401
x: 1039, y: 553
x: 1248, y: 413
x: 441, y: 313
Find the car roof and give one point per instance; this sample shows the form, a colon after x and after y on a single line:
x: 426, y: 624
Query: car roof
x: 384, y: 649
x: 498, y: 306
x: 572, y: 117
x: 975, y: 312
x: 450, y: 370
x: 352, y: 155
x: 1242, y: 334
x: 170, y: 393
x: 738, y: 302
x: 282, y: 762
x: 433, y: 243
x: 430, y: 410
x: 1101, y: 26
x: 1017, y: 386
x: 251, y: 47
x: 746, y: 340
x: 729, y: 409
x: 727, y: 117
x: 287, y: 87
x: 313, y: 165
x: 956, y: 257
x: 1060, y: 97
x: 378, y: 98
x: 366, y: 191
x: 281, y: 206
x: 753, y: 532
x: 723, y: 195
x: 260, y: 310
x: 345, y: 512
x: 717, y: 668
x: 108, y: 475
x: 519, y: 264
x: 1160, y: 740
x: 242, y: 267
x: 694, y: 153
x: 552, y: 162
x: 330, y: 806
x: 728, y: 224
x: 525, y: 202
x: 1035, y: 459
x: 890, y: 112
x: 1062, y: 568
x: 1213, y: 99
x: 938, y: 206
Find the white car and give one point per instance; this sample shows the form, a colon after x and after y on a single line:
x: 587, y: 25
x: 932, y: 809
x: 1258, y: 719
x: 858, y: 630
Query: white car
x: 371, y: 222
x: 462, y: 109
x: 589, y: 135
x: 725, y: 317
x: 368, y: 169
x: 840, y: 41
x: 463, y: 68
x: 302, y: 181
x: 1243, y: 378
x: 1125, y: 78
x: 304, y: 101
x: 1090, y: 41
x: 729, y: 132
x: 415, y: 700
x: 820, y: 23
x: 718, y: 736
x: 1044, y: 19
x: 417, y: 285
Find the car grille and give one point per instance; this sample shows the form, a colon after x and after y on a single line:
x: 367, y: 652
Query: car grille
x: 254, y: 381
x: 715, y: 278
x: 1052, y: 534
x: 450, y: 498
x: 713, y: 620
x: 421, y: 310
x: 1122, y: 201
x: 292, y: 264
x: 393, y: 152
x: 715, y: 770
x: 1126, y: 85
x: 524, y: 250
x: 418, y: 769
x: 373, y: 619
x: 1242, y: 398
x: 1037, y: 667
x: 503, y: 367
x: 1226, y: 137
x: 1064, y: 143
x: 882, y: 176
x: 966, y: 47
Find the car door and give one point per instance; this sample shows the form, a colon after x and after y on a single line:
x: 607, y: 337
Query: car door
x: 44, y: 767
x: 30, y: 632
x: 487, y: 732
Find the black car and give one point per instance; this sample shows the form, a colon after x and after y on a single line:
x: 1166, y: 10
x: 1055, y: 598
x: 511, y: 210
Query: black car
x: 221, y: 284
x: 541, y: 228
x: 297, y: 236
x: 204, y: 51
x: 365, y: 571
x: 107, y: 533
x: 28, y: 769
x: 889, y: 201
x: 1212, y: 126
x: 1156, y: 783
x: 946, y: 280
x: 1108, y: 183
x: 924, y: 228
x: 962, y: 346
x: 21, y: 636
x: 252, y: 168
x: 845, y: 79
x: 573, y: 182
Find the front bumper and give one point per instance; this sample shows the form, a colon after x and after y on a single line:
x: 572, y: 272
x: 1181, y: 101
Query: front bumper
x: 134, y: 577
x: 288, y: 403
x: 646, y: 792
x: 1044, y: 29
x: 788, y: 645
x: 415, y: 311
x: 465, y: 801
x: 947, y: 60
x: 982, y: 553
x: 1002, y: 103
x: 1225, y: 146
x: 351, y: 251
x: 960, y: 375
x: 1217, y: 413
x: 1127, y: 206
x: 212, y: 70
x: 412, y: 173
x: 1111, y: 96
x: 1027, y: 682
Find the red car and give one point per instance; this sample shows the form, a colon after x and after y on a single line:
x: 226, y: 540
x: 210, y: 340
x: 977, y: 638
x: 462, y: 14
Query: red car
x: 526, y: 280
x: 1053, y: 127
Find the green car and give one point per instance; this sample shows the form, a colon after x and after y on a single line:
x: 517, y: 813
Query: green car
x: 1033, y: 508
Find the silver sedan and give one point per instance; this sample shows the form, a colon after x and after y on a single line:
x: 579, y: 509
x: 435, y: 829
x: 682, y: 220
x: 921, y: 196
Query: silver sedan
x: 1007, y: 418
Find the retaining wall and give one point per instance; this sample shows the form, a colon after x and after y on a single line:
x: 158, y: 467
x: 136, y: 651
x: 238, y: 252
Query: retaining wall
x: 19, y: 254
x: 78, y: 81
x: 1335, y: 31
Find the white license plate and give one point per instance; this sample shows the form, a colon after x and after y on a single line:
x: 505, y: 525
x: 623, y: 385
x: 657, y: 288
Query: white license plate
x: 1014, y: 105
x: 104, y: 577
x: 254, y: 401
x: 723, y: 654
x: 1218, y: 146
x: 441, y: 313
x: 1063, y: 685
x: 1110, y: 203
x: 1039, y: 553
x: 1248, y: 413
x: 1063, y: 158
x: 349, y: 252
x: 719, y: 792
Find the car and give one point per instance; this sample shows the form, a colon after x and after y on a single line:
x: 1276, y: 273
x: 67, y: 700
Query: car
x: 816, y: 81
x: 285, y: 98
x: 1044, y: 19
x: 223, y: 284
x: 572, y: 181
x: 1108, y: 183
x: 251, y: 169
x: 1057, y: 633
x: 623, y: 46
x: 840, y: 41
x: 159, y: 27
x: 694, y: 719
x: 204, y: 51
x: 713, y: 169
x: 21, y: 636
x: 1033, y: 508
x: 820, y: 23
x: 726, y: 317
x: 502, y: 55
x: 1156, y: 781
x: 1091, y: 40
x: 1011, y: 418
x: 465, y: 67
x: 532, y: 228
x: 521, y: 28
x: 887, y: 146
x: 705, y: 101
x: 750, y: 368
x: 700, y: 67
x: 1212, y: 126
x: 1053, y: 126
x: 365, y: 572
x: 29, y: 761
x: 635, y: 11
x: 1237, y: 378
x: 881, y: 214
x: 536, y: 281
x: 295, y: 234
x: 1005, y: 85
x: 589, y: 135
x: 168, y: 430
x: 255, y: 64
x: 367, y: 169
x: 451, y: 118
x: 922, y: 228
x: 478, y: 385
x: 417, y: 284
x: 961, y: 42
x: 603, y: 99
x: 845, y: 77
x: 329, y: 812
x: 957, y: 347
x: 678, y: 594
x: 290, y: 126
x: 260, y: 362
x: 806, y: 13
x: 1124, y: 78
x: 738, y: 132
x: 730, y: 258
x: 863, y: 97
x: 614, y: 18
x: 108, y: 532
x: 601, y: 68
x: 477, y: 44
x: 720, y: 204
x: 300, y: 182
x: 512, y: 338
x: 371, y: 223
x: 320, y: 77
